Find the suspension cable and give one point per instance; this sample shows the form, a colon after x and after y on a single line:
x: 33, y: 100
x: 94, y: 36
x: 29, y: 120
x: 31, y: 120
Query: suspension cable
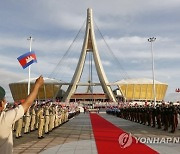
x: 66, y: 53
x: 125, y: 74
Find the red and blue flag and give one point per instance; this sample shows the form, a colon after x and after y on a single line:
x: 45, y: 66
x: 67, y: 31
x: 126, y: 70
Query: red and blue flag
x: 27, y: 59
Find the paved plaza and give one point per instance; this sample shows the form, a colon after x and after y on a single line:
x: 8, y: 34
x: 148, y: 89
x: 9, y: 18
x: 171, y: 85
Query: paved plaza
x: 76, y: 137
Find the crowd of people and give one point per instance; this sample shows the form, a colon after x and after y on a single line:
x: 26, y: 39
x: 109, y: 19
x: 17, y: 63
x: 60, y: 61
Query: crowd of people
x: 163, y: 116
x: 43, y: 117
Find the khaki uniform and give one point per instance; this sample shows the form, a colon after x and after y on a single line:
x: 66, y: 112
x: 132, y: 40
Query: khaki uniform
x: 41, y: 123
x: 33, y: 119
x: 56, y: 117
x: 51, y: 119
x: 47, y: 119
x: 14, y: 126
x: 27, y: 122
x: 63, y: 115
x: 19, y: 127
x: 37, y: 117
x: 66, y: 115
x: 60, y: 115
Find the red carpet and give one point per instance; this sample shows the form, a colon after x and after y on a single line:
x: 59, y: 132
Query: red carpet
x: 108, y: 141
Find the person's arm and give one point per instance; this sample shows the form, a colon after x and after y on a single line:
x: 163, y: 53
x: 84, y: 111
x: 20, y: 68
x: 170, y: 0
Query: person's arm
x: 32, y: 96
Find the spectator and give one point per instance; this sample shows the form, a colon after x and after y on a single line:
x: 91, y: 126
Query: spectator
x: 8, y: 118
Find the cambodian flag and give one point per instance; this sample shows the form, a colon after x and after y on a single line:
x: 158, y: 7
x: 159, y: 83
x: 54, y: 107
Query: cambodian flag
x: 27, y: 59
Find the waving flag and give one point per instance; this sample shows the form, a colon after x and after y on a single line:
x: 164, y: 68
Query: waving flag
x: 27, y: 59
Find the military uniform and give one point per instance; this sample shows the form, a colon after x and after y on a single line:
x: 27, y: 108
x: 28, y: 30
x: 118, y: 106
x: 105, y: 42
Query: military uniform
x: 56, y: 117
x: 27, y: 122
x: 66, y: 115
x: 172, y: 113
x: 166, y: 119
x: 158, y: 116
x: 19, y: 127
x: 46, y: 119
x: 60, y: 116
x: 51, y: 118
x: 33, y: 118
x: 37, y: 117
x: 149, y: 115
x: 41, y: 123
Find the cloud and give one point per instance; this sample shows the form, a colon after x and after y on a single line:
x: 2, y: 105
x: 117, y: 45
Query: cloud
x: 7, y: 77
x: 125, y: 26
x: 11, y: 41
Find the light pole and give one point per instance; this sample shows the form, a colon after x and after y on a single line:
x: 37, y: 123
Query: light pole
x: 151, y: 40
x: 30, y: 47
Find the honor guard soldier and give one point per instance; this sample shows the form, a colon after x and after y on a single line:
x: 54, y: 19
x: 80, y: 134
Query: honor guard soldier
x: 19, y: 127
x: 62, y: 115
x: 27, y: 122
x: 166, y: 119
x: 66, y: 115
x: 37, y: 116
x: 41, y: 122
x: 47, y: 119
x: 56, y: 116
x: 172, y: 113
x: 149, y: 115
x: 33, y: 117
x: 51, y: 119
x: 158, y: 116
x: 153, y: 115
x: 59, y: 115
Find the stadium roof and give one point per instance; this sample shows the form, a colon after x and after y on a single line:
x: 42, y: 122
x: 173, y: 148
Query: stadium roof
x: 46, y: 80
x: 138, y: 81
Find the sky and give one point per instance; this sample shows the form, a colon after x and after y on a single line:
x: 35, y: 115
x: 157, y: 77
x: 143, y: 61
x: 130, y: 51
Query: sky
x: 124, y: 25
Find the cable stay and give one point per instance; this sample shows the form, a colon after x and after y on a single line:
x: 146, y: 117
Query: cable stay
x: 122, y: 71
x: 56, y: 69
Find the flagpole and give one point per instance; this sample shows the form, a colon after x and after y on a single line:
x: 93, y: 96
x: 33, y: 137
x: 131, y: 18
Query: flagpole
x: 30, y: 39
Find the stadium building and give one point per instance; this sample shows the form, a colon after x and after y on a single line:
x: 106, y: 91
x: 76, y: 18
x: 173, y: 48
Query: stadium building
x: 50, y: 90
x: 128, y: 90
x: 141, y: 89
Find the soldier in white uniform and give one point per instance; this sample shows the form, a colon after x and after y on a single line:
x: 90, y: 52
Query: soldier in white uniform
x: 11, y: 116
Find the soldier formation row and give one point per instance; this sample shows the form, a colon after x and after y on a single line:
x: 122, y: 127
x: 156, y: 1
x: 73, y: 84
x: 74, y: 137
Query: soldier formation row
x: 43, y: 118
x: 163, y: 116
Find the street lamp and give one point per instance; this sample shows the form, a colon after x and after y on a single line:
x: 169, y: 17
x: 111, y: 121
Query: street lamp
x: 29, y: 84
x: 151, y: 40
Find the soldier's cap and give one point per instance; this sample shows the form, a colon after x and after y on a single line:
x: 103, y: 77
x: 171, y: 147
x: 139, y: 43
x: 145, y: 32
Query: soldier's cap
x: 2, y: 93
